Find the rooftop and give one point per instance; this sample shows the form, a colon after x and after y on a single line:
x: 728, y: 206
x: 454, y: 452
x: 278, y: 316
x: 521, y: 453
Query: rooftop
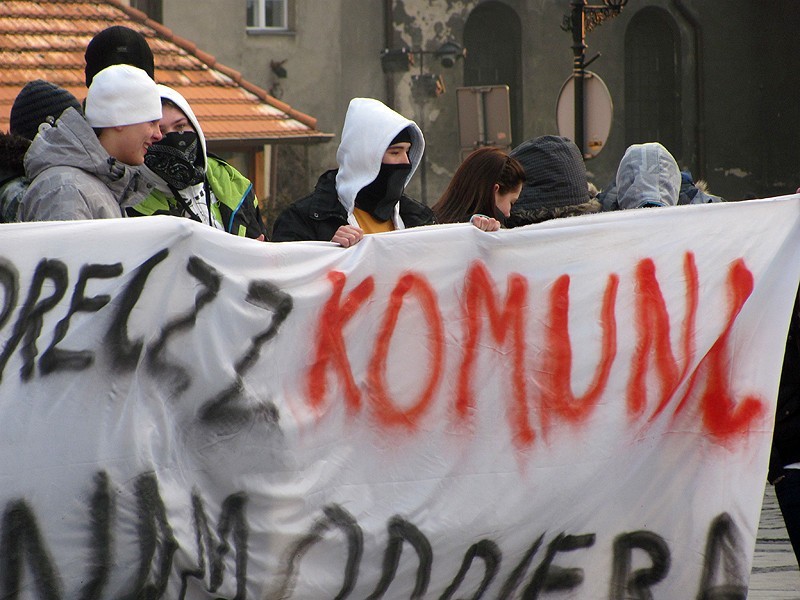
x: 46, y: 39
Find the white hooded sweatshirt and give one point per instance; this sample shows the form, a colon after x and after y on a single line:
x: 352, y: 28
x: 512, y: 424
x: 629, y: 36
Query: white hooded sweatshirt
x: 369, y: 128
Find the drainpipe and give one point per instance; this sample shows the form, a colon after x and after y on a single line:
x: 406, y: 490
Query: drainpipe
x: 700, y: 128
x: 388, y: 41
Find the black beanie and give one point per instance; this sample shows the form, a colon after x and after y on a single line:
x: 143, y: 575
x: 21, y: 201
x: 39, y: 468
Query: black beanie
x: 118, y: 45
x: 39, y: 102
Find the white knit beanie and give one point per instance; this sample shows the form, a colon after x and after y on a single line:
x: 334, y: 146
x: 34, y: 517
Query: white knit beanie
x: 122, y: 95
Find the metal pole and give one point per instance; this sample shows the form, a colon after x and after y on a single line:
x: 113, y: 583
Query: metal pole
x: 423, y: 170
x: 578, y: 70
x: 576, y: 22
x: 388, y: 41
x: 482, y: 125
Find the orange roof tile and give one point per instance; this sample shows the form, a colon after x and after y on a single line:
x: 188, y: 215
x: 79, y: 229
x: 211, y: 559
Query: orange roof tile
x: 46, y: 39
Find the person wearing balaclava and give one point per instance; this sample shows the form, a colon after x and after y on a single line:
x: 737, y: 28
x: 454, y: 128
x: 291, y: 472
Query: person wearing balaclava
x: 195, y: 184
x: 92, y: 167
x: 379, y: 153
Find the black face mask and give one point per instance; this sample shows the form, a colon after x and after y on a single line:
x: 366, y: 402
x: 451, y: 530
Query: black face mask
x: 380, y: 197
x: 174, y: 157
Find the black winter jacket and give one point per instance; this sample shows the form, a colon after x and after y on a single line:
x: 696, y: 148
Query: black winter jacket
x: 786, y: 436
x: 320, y: 214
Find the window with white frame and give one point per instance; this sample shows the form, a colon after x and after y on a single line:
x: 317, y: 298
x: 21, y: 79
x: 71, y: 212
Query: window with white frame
x: 268, y: 14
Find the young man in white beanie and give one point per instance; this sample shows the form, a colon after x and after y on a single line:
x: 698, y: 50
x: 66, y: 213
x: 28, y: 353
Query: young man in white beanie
x: 92, y: 168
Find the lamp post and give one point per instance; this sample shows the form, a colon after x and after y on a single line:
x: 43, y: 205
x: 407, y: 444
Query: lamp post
x: 583, y: 19
x: 424, y: 86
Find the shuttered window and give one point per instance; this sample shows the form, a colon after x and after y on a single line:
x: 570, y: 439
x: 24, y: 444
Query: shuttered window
x: 268, y: 14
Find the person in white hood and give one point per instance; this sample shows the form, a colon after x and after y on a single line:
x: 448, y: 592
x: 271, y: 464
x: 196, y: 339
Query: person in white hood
x: 196, y: 184
x: 379, y: 153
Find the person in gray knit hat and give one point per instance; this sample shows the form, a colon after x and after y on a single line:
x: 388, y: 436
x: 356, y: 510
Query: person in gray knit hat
x: 555, y: 182
x: 37, y: 106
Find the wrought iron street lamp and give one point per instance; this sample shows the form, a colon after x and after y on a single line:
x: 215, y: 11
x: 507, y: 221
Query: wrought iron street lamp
x: 583, y: 19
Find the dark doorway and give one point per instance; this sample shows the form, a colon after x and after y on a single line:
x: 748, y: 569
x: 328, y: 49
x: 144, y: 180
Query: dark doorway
x: 492, y: 37
x: 652, y: 74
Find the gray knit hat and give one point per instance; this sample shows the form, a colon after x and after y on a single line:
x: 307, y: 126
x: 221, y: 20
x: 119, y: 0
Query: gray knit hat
x: 555, y: 174
x: 37, y: 103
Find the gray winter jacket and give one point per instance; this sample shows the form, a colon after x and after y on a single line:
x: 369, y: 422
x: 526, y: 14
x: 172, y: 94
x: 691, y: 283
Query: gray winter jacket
x: 73, y: 177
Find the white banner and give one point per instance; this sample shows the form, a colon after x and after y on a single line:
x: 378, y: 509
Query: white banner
x: 581, y: 408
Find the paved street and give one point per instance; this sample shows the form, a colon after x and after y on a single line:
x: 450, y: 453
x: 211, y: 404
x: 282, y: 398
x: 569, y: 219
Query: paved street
x: 775, y: 574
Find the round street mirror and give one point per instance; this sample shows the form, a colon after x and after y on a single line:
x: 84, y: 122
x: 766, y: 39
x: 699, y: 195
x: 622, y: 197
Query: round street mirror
x: 598, y: 112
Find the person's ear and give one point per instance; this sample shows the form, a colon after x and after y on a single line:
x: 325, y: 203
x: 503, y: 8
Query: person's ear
x: 496, y: 188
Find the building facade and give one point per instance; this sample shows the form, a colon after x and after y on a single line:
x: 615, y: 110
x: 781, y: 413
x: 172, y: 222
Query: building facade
x: 706, y: 79
x: 242, y: 123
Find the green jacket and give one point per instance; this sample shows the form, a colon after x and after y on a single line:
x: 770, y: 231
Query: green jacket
x: 234, y: 203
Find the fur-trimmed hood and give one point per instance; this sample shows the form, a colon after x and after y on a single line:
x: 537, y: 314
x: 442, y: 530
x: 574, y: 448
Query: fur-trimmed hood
x: 539, y: 214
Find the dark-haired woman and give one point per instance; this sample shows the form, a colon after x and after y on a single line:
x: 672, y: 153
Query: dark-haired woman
x: 482, y: 191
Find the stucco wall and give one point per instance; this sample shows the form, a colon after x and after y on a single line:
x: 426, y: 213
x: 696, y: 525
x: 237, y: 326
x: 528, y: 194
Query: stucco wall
x: 735, y: 107
x: 328, y: 59
x: 739, y: 104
